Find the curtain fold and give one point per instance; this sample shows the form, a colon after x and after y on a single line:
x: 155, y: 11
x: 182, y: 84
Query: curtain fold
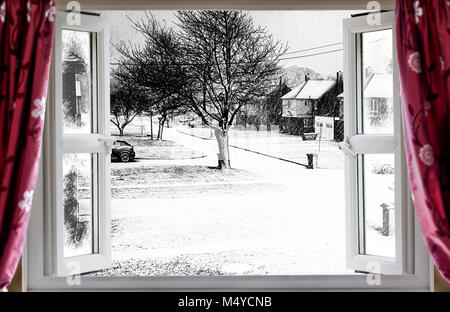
x: 26, y: 40
x: 423, y: 52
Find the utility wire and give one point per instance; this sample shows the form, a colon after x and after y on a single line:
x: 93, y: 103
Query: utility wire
x: 280, y: 59
x: 319, y: 53
x: 319, y: 47
x: 308, y: 55
x: 315, y: 48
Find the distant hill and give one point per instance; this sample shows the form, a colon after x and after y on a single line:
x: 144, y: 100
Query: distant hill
x: 294, y: 75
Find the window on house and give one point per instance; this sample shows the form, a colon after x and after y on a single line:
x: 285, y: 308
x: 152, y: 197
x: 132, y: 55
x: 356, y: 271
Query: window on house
x: 374, y: 108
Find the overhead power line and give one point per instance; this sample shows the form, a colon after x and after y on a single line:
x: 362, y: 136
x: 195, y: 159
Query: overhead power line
x: 315, y: 48
x: 308, y: 55
x: 281, y: 59
x: 319, y: 53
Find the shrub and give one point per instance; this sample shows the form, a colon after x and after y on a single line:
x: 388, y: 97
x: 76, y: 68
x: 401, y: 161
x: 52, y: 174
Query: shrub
x: 75, y: 229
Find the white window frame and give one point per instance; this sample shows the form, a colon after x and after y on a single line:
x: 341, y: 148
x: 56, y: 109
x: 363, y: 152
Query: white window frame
x: 58, y: 144
x: 372, y: 144
x: 34, y: 258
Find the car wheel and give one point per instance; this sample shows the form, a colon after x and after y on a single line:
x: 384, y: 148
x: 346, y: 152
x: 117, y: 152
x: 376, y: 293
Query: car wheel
x: 125, y: 157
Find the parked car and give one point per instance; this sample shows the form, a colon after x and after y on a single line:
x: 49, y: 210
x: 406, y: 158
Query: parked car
x: 122, y: 151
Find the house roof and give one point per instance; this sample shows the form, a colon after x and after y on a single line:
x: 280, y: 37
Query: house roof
x: 293, y: 93
x: 379, y: 86
x: 311, y: 89
x: 276, y: 90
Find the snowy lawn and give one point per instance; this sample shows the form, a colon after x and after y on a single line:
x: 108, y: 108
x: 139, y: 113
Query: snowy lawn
x: 264, y: 217
x: 177, y: 181
x: 146, y: 148
x: 239, y: 224
x: 179, y: 266
x: 216, y: 235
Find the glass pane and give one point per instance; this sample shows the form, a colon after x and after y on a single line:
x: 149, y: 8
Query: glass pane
x: 377, y: 87
x: 378, y: 204
x: 79, y: 202
x: 78, y: 70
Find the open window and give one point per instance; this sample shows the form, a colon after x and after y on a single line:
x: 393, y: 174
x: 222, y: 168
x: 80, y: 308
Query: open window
x: 376, y: 205
x: 80, y: 238
x: 298, y: 214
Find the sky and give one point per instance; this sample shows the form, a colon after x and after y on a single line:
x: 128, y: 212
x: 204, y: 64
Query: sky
x: 299, y: 30
x: 377, y: 50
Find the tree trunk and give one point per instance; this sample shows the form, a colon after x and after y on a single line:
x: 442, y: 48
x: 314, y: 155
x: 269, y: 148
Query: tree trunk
x: 158, y: 137
x: 162, y: 120
x: 224, y: 153
x: 122, y: 128
x: 118, y: 128
x: 151, y: 126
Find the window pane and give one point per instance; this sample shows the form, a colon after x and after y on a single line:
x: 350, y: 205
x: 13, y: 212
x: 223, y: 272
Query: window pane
x: 78, y: 68
x: 79, y: 202
x: 378, y: 209
x: 376, y: 112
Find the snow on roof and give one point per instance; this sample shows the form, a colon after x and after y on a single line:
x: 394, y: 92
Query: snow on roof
x: 293, y: 93
x: 315, y: 89
x: 379, y: 86
x: 311, y: 89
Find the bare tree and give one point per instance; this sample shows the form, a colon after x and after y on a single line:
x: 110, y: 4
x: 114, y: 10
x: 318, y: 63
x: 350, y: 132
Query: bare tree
x: 228, y: 63
x: 169, y: 107
x: 128, y: 100
x: 75, y: 69
x: 156, y: 66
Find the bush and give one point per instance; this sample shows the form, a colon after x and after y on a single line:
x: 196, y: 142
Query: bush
x: 383, y: 169
x: 75, y: 229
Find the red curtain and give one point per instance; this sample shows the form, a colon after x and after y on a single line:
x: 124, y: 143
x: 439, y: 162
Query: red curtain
x: 26, y: 34
x: 423, y: 51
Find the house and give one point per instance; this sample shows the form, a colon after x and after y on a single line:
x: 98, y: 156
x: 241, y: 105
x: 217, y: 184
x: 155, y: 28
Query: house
x: 76, y: 94
x: 266, y: 112
x: 308, y: 100
x: 378, y: 103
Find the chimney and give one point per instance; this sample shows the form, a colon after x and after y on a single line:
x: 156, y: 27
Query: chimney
x: 339, y: 76
x: 369, y: 71
x: 306, y: 77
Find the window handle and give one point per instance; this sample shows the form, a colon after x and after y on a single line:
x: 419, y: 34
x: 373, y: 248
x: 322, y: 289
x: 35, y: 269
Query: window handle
x: 346, y: 147
x: 109, y: 141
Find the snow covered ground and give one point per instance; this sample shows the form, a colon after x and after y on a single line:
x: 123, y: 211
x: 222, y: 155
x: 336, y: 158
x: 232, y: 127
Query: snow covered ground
x: 268, y: 217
